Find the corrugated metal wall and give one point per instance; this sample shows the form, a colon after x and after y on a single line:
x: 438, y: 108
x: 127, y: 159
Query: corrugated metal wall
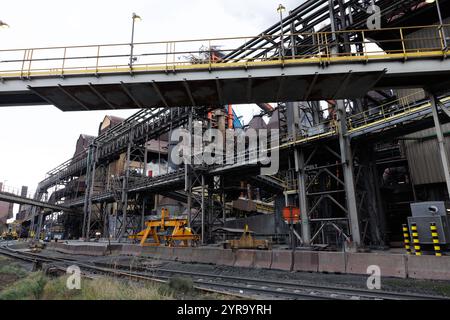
x: 423, y: 156
x: 422, y: 39
x: 427, y: 38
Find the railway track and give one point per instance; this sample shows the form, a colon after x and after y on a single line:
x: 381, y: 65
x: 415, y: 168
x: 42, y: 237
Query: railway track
x: 248, y: 288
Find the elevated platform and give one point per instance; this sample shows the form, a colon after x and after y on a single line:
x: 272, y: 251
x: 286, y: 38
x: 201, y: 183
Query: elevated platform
x: 166, y: 78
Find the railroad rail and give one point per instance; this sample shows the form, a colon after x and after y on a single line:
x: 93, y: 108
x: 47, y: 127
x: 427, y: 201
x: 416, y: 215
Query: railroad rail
x: 224, y: 284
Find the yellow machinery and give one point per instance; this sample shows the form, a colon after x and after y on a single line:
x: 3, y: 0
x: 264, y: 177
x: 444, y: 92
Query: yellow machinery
x: 12, y: 233
x: 171, y: 232
x: 248, y: 242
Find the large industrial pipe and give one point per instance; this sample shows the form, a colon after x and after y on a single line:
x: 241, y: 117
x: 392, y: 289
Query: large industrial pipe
x: 230, y: 116
x: 266, y: 107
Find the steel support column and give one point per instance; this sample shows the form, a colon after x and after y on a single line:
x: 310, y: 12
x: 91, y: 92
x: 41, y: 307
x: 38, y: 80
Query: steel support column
x: 124, y: 208
x: 39, y: 226
x: 90, y: 194
x: 33, y: 222
x: 303, y: 201
x: 143, y: 214
x: 441, y: 140
x: 349, y: 180
x: 203, y: 209
x: 188, y: 190
x: 87, y: 196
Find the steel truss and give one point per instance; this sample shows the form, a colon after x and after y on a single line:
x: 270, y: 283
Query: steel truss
x: 333, y: 182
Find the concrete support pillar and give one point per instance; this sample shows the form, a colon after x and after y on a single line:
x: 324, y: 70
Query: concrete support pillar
x: 349, y: 180
x: 303, y: 201
x: 441, y: 140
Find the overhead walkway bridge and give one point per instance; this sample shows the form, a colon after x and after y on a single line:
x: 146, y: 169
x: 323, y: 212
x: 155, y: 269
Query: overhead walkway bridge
x: 187, y: 73
x: 10, y: 197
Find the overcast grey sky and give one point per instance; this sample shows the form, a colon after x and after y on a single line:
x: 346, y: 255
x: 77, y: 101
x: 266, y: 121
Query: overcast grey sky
x: 34, y: 140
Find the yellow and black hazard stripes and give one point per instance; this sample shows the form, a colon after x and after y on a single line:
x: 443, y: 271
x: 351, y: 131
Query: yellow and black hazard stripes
x: 415, y: 238
x: 406, y: 238
x: 435, y: 237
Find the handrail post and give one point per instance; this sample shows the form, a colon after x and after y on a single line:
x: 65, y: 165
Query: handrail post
x: 327, y: 47
x: 403, y: 44
x: 25, y: 54
x: 174, y: 56
x: 319, y: 49
x: 30, y: 61
x: 443, y: 38
x: 96, y: 62
x: 363, y: 34
x: 441, y: 26
x: 210, y: 55
x: 63, y: 62
x: 167, y: 56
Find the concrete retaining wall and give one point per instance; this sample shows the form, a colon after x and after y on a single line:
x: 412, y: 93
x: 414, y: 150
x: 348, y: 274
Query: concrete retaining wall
x: 165, y: 253
x: 331, y: 262
x: 306, y: 261
x: 183, y: 254
x: 19, y: 245
x: 131, y: 250
x: 391, y: 265
x: 227, y: 258
x: 86, y: 250
x: 428, y: 267
x: 207, y: 255
x: 263, y: 259
x: 245, y: 258
x: 281, y: 260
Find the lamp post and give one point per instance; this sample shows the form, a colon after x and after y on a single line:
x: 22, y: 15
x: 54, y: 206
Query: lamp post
x: 280, y: 10
x: 134, y: 18
x: 441, y: 23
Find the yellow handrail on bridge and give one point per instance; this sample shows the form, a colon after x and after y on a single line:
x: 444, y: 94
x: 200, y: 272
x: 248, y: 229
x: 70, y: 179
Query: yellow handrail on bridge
x: 200, y: 54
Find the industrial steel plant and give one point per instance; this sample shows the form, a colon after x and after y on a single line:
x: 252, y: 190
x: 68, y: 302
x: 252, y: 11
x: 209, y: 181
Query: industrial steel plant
x: 344, y: 171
